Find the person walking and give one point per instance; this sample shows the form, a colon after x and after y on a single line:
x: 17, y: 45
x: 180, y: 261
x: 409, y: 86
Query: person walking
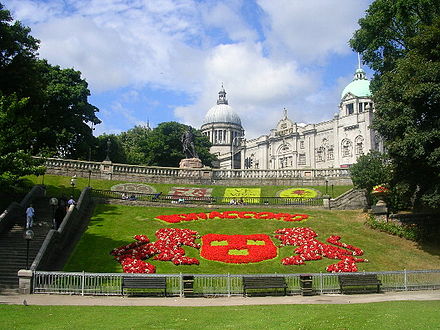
x: 30, y: 213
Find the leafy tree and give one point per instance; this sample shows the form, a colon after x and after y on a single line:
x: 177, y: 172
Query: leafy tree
x: 113, y: 144
x: 370, y: 170
x: 162, y: 146
x: 401, y: 40
x: 134, y: 143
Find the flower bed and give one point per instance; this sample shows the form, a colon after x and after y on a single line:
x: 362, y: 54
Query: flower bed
x: 239, y: 249
x: 176, y: 218
x: 309, y: 248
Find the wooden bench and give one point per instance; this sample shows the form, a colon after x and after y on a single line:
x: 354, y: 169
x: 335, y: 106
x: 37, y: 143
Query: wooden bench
x: 359, y: 283
x: 271, y: 282
x: 144, y: 283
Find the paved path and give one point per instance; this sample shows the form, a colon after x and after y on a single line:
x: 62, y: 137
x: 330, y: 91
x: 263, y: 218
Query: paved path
x: 44, y: 299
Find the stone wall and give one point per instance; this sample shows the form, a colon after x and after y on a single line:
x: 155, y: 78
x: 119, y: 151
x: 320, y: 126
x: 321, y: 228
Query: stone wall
x: 204, y: 176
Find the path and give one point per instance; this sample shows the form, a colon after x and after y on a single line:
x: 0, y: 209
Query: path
x: 44, y: 299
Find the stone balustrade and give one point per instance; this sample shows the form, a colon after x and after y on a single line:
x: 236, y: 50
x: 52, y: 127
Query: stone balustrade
x: 155, y: 174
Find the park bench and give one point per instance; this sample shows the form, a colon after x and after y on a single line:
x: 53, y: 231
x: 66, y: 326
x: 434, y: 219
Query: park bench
x: 144, y: 283
x: 359, y: 283
x: 271, y: 282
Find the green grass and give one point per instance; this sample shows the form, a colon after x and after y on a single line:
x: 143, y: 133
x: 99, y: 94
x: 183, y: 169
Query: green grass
x: 383, y: 315
x: 59, y: 185
x: 114, y: 225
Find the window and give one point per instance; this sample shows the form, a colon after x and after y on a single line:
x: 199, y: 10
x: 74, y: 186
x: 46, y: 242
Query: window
x: 301, y: 144
x: 302, y: 159
x: 330, y: 155
x: 320, y: 154
x: 346, y: 148
x: 359, y: 145
x: 361, y: 107
x: 350, y: 109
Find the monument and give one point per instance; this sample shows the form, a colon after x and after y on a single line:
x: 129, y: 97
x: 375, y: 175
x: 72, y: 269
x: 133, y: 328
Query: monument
x: 192, y: 159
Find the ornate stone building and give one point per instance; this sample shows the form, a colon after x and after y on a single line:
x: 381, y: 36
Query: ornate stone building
x: 335, y: 143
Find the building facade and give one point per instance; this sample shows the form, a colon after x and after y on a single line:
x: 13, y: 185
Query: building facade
x: 336, y: 143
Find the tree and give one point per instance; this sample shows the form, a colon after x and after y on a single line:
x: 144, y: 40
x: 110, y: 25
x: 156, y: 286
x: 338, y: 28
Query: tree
x: 54, y: 119
x: 406, y: 55
x: 134, y: 143
x: 370, y: 170
x: 162, y: 146
x: 112, y: 144
x: 43, y: 109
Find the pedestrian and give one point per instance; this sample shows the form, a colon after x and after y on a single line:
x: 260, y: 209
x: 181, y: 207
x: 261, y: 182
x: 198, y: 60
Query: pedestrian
x: 59, y: 216
x: 30, y: 213
x: 70, y: 202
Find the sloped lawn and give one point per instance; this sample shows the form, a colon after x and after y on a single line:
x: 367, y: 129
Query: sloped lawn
x: 113, y: 226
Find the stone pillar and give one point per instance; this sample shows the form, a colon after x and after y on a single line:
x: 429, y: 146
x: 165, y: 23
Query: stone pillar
x: 107, y: 169
x: 326, y: 201
x: 25, y: 281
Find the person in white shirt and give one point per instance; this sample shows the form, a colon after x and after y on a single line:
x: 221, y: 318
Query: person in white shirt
x: 30, y: 213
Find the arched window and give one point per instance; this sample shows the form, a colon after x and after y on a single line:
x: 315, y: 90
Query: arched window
x: 359, y: 145
x: 320, y: 154
x: 347, y: 148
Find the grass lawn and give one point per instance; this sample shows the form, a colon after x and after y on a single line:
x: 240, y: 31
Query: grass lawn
x: 383, y: 315
x: 115, y: 225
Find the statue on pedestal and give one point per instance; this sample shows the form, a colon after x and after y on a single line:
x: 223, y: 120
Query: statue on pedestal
x: 192, y: 159
x: 188, y: 144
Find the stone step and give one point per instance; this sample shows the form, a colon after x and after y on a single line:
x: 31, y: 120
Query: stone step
x: 13, y: 246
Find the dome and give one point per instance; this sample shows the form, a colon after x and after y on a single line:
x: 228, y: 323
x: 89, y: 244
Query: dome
x: 359, y: 87
x: 222, y: 112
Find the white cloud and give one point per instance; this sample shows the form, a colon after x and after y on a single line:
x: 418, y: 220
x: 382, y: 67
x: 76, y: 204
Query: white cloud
x: 191, y: 47
x: 311, y: 30
x: 258, y: 88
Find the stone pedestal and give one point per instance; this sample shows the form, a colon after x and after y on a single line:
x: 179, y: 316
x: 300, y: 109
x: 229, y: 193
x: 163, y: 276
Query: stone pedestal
x: 326, y: 201
x: 379, y: 208
x: 107, y: 169
x: 25, y: 281
x: 190, y: 163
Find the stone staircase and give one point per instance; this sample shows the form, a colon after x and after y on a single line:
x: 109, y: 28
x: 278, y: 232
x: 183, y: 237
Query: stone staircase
x: 13, y: 246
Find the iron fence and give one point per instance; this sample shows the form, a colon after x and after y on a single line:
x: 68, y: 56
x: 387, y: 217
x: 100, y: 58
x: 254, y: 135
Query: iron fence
x: 82, y: 283
x: 176, y: 199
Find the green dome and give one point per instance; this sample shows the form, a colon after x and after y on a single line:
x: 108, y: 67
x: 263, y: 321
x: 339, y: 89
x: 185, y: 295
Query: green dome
x: 359, y: 87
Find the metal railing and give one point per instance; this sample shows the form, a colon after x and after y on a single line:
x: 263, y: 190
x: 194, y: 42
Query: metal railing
x: 135, y: 196
x: 82, y: 283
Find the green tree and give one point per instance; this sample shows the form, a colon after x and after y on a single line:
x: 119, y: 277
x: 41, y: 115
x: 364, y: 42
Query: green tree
x: 112, y: 144
x: 43, y: 109
x: 162, y: 146
x: 370, y: 170
x: 401, y: 41
x: 54, y: 120
x: 134, y: 143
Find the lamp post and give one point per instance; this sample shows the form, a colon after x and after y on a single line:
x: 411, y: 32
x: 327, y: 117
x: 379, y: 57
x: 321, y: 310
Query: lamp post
x: 28, y: 236
x: 73, y: 183
x: 326, y: 185
x: 237, y: 138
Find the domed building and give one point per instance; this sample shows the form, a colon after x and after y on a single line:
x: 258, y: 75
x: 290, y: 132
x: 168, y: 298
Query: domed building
x: 223, y: 127
x: 336, y: 143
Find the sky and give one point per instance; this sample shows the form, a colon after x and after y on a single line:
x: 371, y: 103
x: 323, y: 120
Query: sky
x: 152, y: 61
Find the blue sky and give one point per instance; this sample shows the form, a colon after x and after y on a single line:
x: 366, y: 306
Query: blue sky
x: 163, y: 60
